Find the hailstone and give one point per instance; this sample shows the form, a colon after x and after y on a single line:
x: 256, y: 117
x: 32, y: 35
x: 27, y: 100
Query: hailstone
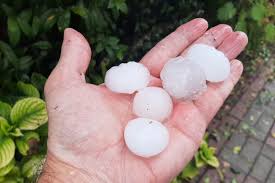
x: 213, y: 62
x: 127, y: 77
x: 183, y: 79
x: 145, y: 137
x: 152, y: 102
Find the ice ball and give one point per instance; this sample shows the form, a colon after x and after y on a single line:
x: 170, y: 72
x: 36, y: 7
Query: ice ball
x: 183, y: 79
x: 152, y: 102
x: 127, y: 77
x: 145, y: 137
x: 213, y: 62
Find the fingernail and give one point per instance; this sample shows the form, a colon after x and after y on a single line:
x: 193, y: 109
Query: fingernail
x: 236, y: 66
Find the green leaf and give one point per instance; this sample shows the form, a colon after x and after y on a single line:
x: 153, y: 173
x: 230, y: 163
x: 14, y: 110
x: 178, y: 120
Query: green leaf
x: 5, y: 110
x: 190, y: 171
x: 64, y: 20
x: 234, y: 180
x: 38, y: 80
x: 27, y: 89
x: 213, y: 161
x: 7, y: 150
x: 4, y: 127
x: 226, y: 12
x: 36, y: 24
x: 13, y: 31
x: 6, y: 169
x: 237, y: 149
x: 258, y: 12
x: 24, y: 63
x: 241, y: 26
x: 7, y: 9
x: 80, y: 10
x: 49, y: 19
x: 43, y: 45
x: 26, y: 15
x: 198, y: 161
x: 22, y: 146
x: 270, y: 32
x: 8, y: 53
x: 24, y: 26
x: 30, y: 167
x: 31, y: 135
x: 29, y: 113
x: 16, y: 133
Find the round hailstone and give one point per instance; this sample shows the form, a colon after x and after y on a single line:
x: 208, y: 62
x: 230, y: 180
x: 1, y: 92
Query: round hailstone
x: 183, y: 79
x: 145, y: 137
x: 127, y: 77
x: 214, y: 63
x: 152, y: 102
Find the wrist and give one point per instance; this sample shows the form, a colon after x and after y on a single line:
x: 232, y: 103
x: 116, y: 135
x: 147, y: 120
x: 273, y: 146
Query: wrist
x: 56, y: 171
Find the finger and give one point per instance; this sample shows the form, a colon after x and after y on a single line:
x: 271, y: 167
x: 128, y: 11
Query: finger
x: 73, y: 63
x: 155, y: 82
x: 234, y: 44
x: 213, y: 37
x: 211, y: 101
x: 173, y: 44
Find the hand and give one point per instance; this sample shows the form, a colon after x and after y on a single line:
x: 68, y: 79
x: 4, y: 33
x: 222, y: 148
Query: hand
x: 86, y: 122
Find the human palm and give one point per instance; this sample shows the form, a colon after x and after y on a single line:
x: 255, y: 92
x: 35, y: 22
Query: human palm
x: 86, y: 122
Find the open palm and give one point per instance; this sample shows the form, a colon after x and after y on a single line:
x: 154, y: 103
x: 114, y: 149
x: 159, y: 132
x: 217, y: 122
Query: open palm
x: 86, y: 122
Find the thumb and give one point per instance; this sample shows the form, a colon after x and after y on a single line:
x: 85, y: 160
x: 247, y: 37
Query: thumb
x: 74, y: 60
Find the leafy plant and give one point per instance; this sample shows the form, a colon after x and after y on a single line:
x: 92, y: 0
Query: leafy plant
x: 18, y: 125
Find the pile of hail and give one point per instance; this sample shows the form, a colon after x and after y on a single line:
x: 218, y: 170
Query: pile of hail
x: 183, y: 78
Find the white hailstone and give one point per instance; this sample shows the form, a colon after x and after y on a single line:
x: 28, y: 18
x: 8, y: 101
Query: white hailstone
x: 152, y: 102
x: 145, y: 137
x: 183, y: 79
x: 214, y: 63
x: 127, y: 77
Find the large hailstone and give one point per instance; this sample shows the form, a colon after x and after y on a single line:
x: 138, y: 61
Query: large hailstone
x: 152, y: 102
x: 127, y: 77
x: 183, y: 79
x: 145, y: 137
x: 213, y: 62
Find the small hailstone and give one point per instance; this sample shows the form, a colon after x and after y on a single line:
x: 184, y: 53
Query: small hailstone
x: 214, y: 63
x: 145, y: 137
x: 127, y: 77
x: 152, y: 102
x: 183, y: 79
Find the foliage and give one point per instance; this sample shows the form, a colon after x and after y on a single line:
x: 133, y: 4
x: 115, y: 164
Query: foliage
x: 31, y: 37
x: 19, y: 125
x: 205, y: 156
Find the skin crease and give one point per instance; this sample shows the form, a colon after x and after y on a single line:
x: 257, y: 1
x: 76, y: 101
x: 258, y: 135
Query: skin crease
x: 86, y: 121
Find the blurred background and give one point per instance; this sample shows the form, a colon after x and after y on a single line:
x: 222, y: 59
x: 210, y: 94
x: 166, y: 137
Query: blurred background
x: 31, y: 34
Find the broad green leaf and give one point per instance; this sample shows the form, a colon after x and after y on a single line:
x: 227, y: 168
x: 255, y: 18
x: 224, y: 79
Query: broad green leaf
x: 190, y: 171
x: 258, y: 12
x: 29, y: 113
x: 27, y: 89
x: 226, y: 12
x: 31, y: 135
x: 270, y: 32
x: 26, y: 15
x: 24, y: 26
x: 7, y: 150
x: 16, y: 133
x: 8, y: 53
x: 213, y: 161
x: 36, y: 23
x: 24, y: 63
x: 80, y: 10
x: 38, y: 80
x: 64, y: 20
x: 6, y: 169
x: 4, y: 127
x: 49, y: 18
x: 5, y: 110
x: 198, y: 161
x: 43, y: 45
x: 30, y: 167
x: 22, y: 146
x: 13, y: 31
